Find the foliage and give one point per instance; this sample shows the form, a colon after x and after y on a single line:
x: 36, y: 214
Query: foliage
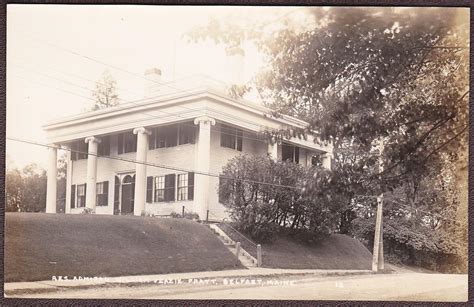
x: 25, y: 189
x: 261, y: 210
x: 87, y: 211
x: 105, y: 92
x: 187, y: 215
x: 359, y: 76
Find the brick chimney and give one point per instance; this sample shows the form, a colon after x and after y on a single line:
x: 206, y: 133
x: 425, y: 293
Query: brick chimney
x: 152, y: 82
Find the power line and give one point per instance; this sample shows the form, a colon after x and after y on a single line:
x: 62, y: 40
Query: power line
x: 152, y: 164
x: 167, y: 84
x: 152, y: 116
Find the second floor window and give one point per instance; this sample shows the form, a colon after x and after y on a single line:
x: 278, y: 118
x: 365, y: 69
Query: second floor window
x: 79, y: 150
x: 290, y: 153
x: 104, y: 146
x: 172, y: 135
x: 127, y: 142
x: 231, y: 137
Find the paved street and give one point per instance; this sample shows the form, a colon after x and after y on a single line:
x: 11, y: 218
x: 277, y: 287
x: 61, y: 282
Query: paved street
x: 402, y: 286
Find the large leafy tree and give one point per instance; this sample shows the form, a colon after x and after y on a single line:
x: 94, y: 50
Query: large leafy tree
x: 360, y: 76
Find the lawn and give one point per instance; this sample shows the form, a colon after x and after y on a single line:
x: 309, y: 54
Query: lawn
x: 38, y: 246
x: 336, y: 251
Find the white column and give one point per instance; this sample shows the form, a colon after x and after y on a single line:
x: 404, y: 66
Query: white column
x: 203, y: 162
x: 140, y: 170
x: 51, y: 180
x: 326, y: 160
x: 67, y: 207
x: 91, y: 172
x: 273, y: 150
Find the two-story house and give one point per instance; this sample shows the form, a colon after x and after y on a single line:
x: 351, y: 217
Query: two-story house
x: 164, y: 152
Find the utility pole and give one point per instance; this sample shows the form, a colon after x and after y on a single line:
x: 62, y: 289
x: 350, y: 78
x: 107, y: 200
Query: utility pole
x: 377, y: 258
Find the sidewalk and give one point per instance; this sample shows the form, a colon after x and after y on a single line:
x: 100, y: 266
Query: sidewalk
x: 53, y: 285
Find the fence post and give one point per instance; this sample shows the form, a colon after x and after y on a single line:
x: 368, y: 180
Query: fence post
x: 207, y: 216
x: 259, y: 255
x: 182, y: 214
x: 237, y: 249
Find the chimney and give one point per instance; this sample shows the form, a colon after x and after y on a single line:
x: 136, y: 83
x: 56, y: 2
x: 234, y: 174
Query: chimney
x: 235, y: 64
x: 152, y: 82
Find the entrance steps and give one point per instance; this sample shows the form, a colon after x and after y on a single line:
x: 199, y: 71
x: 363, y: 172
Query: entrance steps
x: 244, y: 257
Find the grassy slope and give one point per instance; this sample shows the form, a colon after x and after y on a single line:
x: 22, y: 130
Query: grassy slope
x: 94, y: 245
x: 334, y: 252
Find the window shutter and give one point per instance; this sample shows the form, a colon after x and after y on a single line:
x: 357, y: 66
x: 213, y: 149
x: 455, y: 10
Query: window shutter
x: 149, y: 189
x: 73, y: 196
x: 120, y: 143
x: 297, y: 154
x: 85, y: 190
x: 190, y: 186
x: 170, y: 187
x: 106, y: 193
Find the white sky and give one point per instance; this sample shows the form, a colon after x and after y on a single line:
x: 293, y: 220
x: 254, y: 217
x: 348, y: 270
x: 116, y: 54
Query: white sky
x: 130, y: 37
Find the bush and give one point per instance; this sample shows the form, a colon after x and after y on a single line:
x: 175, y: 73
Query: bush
x: 407, y: 244
x: 87, y: 211
x: 264, y: 196
x: 187, y: 215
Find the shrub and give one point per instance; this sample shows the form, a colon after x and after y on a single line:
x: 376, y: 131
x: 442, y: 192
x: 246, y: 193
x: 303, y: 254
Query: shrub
x: 187, y: 215
x: 87, y: 211
x: 264, y: 196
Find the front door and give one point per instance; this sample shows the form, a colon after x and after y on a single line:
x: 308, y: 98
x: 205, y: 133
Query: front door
x: 128, y: 193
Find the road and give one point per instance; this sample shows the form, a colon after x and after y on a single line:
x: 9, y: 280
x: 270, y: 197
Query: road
x: 389, y: 287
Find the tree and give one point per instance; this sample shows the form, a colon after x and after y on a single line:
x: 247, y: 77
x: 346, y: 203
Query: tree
x: 13, y: 190
x: 265, y: 197
x: 105, y: 92
x: 361, y: 75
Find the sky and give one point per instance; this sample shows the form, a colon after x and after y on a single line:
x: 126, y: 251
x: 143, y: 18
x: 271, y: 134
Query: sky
x: 55, y: 55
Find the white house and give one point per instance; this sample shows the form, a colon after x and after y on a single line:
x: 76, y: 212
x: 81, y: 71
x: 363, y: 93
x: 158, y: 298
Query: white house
x: 166, y: 151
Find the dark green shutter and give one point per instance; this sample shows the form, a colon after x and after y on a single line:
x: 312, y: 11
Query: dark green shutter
x: 170, y: 183
x: 120, y: 143
x: 190, y: 186
x: 85, y: 193
x: 73, y: 196
x: 106, y: 193
x: 297, y: 154
x: 149, y: 189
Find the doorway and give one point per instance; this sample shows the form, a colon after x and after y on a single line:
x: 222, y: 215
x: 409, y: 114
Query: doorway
x: 128, y: 194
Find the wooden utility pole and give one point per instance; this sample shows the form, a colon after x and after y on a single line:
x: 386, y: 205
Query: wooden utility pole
x: 377, y: 256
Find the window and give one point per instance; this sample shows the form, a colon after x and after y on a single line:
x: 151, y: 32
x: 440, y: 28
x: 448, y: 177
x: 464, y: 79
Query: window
x: 81, y: 196
x: 102, y: 193
x: 104, y: 146
x: 186, y: 134
x: 127, y: 142
x: 183, y: 186
x: 231, y: 137
x: 316, y: 160
x: 163, y: 188
x: 172, y: 135
x: 79, y: 150
x: 290, y: 153
x: 159, y: 188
